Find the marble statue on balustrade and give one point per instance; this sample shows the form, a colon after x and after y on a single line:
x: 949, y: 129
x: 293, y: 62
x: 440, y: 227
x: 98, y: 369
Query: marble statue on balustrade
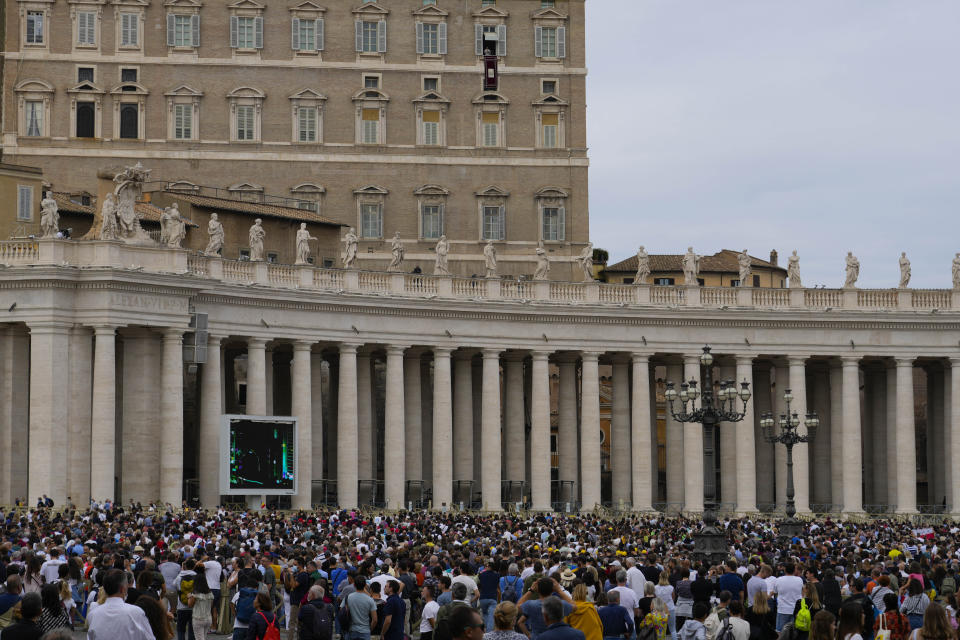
x: 746, y: 266
x: 585, y: 260
x: 49, y: 217
x: 214, y: 236
x: 793, y: 271
x: 691, y: 267
x: 351, y: 242
x: 441, y: 267
x: 303, y: 244
x: 255, y: 238
x: 172, y: 228
x: 904, y: 271
x: 956, y: 273
x: 542, y: 271
x: 643, y: 266
x: 853, y: 271
x: 128, y: 189
x: 397, y: 253
x: 108, y: 218
x: 490, y: 259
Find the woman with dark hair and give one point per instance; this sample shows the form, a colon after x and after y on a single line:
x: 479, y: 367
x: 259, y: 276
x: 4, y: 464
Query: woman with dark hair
x: 935, y: 625
x: 915, y: 604
x: 263, y: 617
x: 823, y: 626
x: 851, y: 621
x: 156, y: 616
x: 201, y: 601
x: 831, y: 592
x: 32, y: 581
x: 54, y: 616
x: 891, y: 619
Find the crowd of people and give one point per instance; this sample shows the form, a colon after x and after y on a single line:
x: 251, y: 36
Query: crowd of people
x: 144, y: 572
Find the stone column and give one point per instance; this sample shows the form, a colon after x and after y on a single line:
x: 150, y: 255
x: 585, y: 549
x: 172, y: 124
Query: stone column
x: 935, y: 435
x: 692, y: 446
x: 141, y: 449
x: 641, y: 436
x: 270, y: 374
x: 316, y: 420
x: 821, y: 449
x: 49, y: 376
x: 442, y: 430
x: 746, y: 450
x: 301, y: 404
x: 953, y: 437
x: 540, y: 432
x: 364, y: 454
x: 413, y: 417
x: 103, y: 438
x: 762, y: 404
x: 394, y: 449
x: 567, y: 457
x: 801, y: 458
x: 781, y: 384
x: 256, y: 377
x: 836, y: 436
x: 462, y: 460
x: 906, y: 467
x: 490, y: 432
x: 211, y: 410
x: 79, y: 412
x: 620, y: 448
x: 515, y: 441
x: 893, y: 494
x: 878, y: 412
x: 171, y: 417
x: 851, y: 464
x: 674, y: 436
x: 347, y: 469
x: 727, y: 455
x: 590, y: 433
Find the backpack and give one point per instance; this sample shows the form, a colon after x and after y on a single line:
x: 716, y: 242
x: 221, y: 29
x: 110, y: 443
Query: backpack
x: 948, y: 586
x: 442, y: 631
x: 186, y: 588
x: 647, y: 633
x: 271, y: 633
x: 802, y: 621
x: 245, y: 604
x: 321, y: 624
x: 344, y: 618
x: 510, y: 592
x: 726, y: 631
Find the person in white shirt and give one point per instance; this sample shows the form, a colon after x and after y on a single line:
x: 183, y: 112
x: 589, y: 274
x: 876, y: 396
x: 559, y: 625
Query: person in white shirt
x: 789, y: 589
x: 628, y: 599
x: 428, y: 617
x: 739, y: 626
x: 50, y: 570
x: 114, y: 618
x: 635, y: 578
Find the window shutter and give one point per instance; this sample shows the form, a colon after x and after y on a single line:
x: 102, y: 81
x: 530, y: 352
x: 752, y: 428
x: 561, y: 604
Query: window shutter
x: 478, y: 37
x: 358, y: 27
x: 295, y: 34
x: 171, y: 28
x: 124, y: 29
x: 134, y: 20
x: 382, y: 36
x: 442, y: 37
x: 562, y: 42
x: 258, y: 32
x: 503, y: 222
x: 319, y: 35
x: 538, y: 42
x: 195, y: 27
x: 233, y: 32
x: 440, y: 221
x: 561, y: 223
x: 419, y: 37
x: 501, y: 39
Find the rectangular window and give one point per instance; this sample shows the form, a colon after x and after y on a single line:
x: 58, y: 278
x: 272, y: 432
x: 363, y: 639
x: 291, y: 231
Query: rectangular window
x: 431, y: 84
x: 245, y: 115
x: 129, y: 30
x: 431, y: 221
x: 663, y: 282
x: 547, y: 3
x: 33, y: 115
x: 371, y: 82
x: 371, y: 126
x: 307, y: 124
x: 183, y: 121
x: 183, y: 31
x: 756, y: 281
x: 86, y: 28
x: 488, y: 3
x: 35, y: 27
x: 548, y: 86
x: 548, y: 42
x: 85, y: 74
x: 369, y: 44
x: 24, y: 202
x: 551, y: 124
x: 491, y: 129
x: 553, y: 223
x: 431, y: 127
x: 370, y: 220
x: 431, y: 38
x: 307, y: 35
x: 493, y: 223
x: 247, y: 31
x: 128, y: 75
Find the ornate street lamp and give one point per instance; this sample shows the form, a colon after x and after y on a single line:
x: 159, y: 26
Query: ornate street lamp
x: 789, y: 436
x: 710, y: 543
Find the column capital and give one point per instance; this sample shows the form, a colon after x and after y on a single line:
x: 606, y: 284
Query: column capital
x: 797, y: 360
x: 50, y: 327
x: 592, y: 356
x: 692, y: 359
x: 172, y: 334
x: 954, y: 361
x: 539, y: 355
x: 904, y: 361
x: 850, y: 361
x: 217, y: 337
x: 105, y: 330
x: 349, y: 347
x: 302, y: 345
x: 640, y: 357
x: 256, y: 343
x: 491, y: 353
x: 744, y: 360
x: 442, y: 351
x: 397, y: 349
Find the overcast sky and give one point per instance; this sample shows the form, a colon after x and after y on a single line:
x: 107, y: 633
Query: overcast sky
x: 821, y: 126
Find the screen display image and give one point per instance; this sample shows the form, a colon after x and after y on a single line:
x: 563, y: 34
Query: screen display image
x: 261, y: 456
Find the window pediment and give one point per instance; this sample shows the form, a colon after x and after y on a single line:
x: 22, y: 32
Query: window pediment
x: 552, y: 100
x: 493, y: 191
x: 85, y: 87
x: 372, y: 9
x: 34, y: 86
x: 371, y: 190
x: 246, y: 4
x: 247, y: 92
x: 190, y: 4
x: 490, y: 98
x: 130, y: 88
x: 431, y: 190
x: 132, y: 3
x: 491, y: 12
x: 308, y: 187
x: 94, y: 2
x: 431, y: 11
x: 184, y: 90
x: 432, y: 97
x: 307, y: 7
x: 549, y: 14
x: 307, y: 94
x: 370, y: 95
x: 551, y: 193
x: 245, y: 186
x: 182, y: 185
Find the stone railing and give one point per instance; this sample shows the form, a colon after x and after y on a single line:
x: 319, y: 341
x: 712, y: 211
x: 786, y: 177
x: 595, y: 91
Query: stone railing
x: 162, y: 260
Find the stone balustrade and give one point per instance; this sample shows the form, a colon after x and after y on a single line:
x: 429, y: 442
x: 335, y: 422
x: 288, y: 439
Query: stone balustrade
x: 109, y: 254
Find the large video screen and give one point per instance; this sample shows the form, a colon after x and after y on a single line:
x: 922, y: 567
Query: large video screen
x: 259, y: 456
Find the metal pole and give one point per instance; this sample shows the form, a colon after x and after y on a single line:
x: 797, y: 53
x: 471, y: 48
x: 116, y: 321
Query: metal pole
x: 791, y: 510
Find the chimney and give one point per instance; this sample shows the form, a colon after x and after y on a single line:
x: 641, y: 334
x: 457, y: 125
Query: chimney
x: 773, y: 257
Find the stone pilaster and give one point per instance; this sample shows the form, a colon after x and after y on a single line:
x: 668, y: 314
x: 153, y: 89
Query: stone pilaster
x: 141, y: 447
x: 801, y: 457
x: 103, y: 438
x: 171, y: 418
x: 674, y: 445
x: 540, y: 432
x: 727, y: 456
x: 692, y: 446
x: 79, y: 415
x: 49, y: 376
x: 590, y: 433
x: 301, y: 403
x: 394, y: 465
x: 641, y: 436
x: 490, y: 431
x: 746, y: 449
x: 567, y: 449
x: 442, y: 430
x: 851, y: 458
x: 620, y: 447
x: 347, y: 475
x: 906, y: 468
x: 211, y: 410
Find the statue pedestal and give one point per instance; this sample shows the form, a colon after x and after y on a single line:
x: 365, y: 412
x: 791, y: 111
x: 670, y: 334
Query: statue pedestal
x: 744, y: 296
x: 849, y: 298
x: 691, y: 294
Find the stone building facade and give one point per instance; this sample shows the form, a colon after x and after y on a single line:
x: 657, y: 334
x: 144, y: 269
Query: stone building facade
x: 371, y: 113
x: 460, y: 371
